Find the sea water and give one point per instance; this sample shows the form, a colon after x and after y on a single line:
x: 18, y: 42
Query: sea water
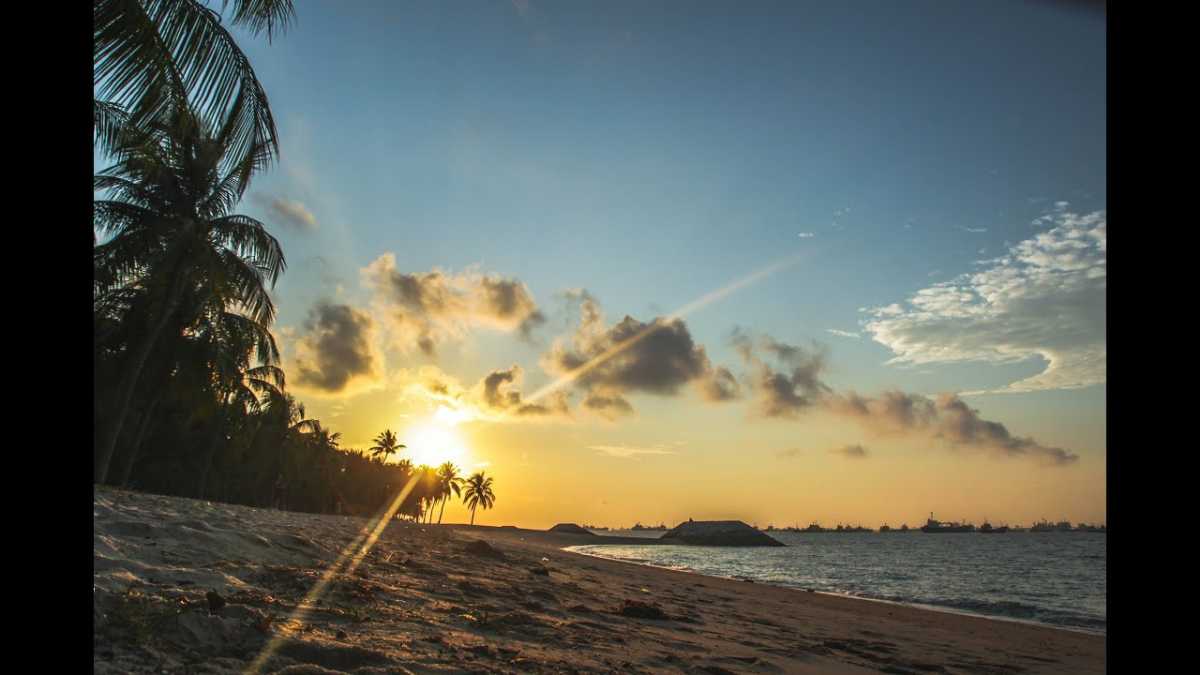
x: 1053, y: 578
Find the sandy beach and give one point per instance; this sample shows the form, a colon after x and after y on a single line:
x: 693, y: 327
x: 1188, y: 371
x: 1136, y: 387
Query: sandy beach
x: 186, y: 586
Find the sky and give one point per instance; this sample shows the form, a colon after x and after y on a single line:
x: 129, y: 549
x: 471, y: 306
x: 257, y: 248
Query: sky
x: 817, y: 261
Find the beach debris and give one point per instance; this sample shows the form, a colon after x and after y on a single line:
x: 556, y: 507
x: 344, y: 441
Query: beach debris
x: 263, y: 625
x: 482, y: 548
x: 542, y: 571
x: 643, y: 610
x: 341, y: 635
x: 471, y: 589
x: 215, y: 601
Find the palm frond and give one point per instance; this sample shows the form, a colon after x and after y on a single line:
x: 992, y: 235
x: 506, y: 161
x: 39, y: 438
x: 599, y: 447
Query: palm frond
x: 153, y: 55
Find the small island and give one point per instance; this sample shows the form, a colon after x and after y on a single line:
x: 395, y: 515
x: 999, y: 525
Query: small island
x: 571, y: 528
x: 718, y: 533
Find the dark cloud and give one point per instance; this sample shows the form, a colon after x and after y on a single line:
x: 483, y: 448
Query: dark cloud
x: 948, y: 418
x: 798, y: 387
x: 719, y: 385
x: 655, y: 357
x: 497, y: 394
x: 787, y: 392
x: 335, y: 348
x: 610, y: 407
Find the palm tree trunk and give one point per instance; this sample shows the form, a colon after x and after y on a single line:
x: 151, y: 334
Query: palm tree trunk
x: 472, y: 515
x: 107, y: 442
x: 127, y: 470
x: 444, y: 500
x: 209, y: 454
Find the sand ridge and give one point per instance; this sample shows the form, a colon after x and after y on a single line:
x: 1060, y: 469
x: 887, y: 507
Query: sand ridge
x: 186, y: 586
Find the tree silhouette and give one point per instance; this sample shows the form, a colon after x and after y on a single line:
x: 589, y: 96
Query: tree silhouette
x: 447, y: 482
x: 478, y: 492
x: 386, y: 445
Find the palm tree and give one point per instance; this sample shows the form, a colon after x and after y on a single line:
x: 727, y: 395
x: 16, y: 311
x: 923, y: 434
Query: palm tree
x: 170, y: 233
x: 478, y: 492
x: 386, y: 445
x: 447, y: 482
x: 154, y: 55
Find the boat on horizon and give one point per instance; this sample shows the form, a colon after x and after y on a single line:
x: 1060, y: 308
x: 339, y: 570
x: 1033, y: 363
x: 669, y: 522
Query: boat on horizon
x: 936, y: 526
x: 1046, y: 526
x: 986, y: 528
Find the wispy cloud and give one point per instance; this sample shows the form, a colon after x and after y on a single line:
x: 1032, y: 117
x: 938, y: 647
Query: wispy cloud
x: 973, y: 230
x: 626, y: 451
x: 807, y: 235
x: 843, y: 333
x: 851, y: 452
x: 1045, y: 298
x: 289, y: 212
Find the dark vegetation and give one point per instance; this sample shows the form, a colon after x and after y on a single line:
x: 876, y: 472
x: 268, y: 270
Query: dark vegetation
x: 190, y: 397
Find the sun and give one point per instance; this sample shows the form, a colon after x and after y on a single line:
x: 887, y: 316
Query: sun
x: 434, y: 442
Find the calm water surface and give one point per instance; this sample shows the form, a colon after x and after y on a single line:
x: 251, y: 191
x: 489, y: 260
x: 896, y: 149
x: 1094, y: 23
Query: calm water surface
x: 1055, y: 578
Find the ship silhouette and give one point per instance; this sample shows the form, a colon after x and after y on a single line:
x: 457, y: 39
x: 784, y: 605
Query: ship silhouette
x: 936, y: 526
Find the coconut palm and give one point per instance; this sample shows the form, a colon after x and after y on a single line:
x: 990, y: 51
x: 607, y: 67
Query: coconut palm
x: 154, y: 55
x: 386, y: 445
x: 478, y: 492
x: 169, y: 231
x: 447, y: 481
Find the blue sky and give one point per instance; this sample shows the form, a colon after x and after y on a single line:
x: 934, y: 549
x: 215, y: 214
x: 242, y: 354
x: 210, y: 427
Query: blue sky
x: 652, y: 152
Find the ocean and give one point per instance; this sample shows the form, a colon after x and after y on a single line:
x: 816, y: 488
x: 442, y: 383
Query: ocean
x: 1053, y: 578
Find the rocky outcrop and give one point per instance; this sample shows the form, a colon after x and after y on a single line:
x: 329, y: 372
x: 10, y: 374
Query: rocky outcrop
x: 718, y: 533
x: 570, y: 528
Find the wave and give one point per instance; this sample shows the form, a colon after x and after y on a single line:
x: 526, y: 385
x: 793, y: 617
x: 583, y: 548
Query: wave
x: 863, y: 588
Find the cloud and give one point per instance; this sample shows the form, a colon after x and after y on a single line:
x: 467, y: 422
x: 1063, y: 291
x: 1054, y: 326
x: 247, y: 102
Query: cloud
x: 807, y: 235
x: 789, y: 453
x: 626, y: 451
x: 799, y: 388
x: 973, y: 230
x: 947, y: 419
x: 656, y: 357
x: 336, y: 352
x: 782, y: 394
x: 851, y: 452
x: 425, y: 309
x: 496, y: 392
x: 1045, y: 298
x: 843, y: 333
x: 292, y: 213
x: 719, y: 385
x: 608, y: 406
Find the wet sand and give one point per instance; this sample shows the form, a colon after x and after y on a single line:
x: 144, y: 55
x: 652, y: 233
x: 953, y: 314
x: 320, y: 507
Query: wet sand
x: 189, y: 586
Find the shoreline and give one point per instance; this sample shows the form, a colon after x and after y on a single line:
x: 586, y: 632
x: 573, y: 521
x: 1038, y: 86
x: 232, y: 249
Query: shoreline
x: 914, y: 605
x: 187, y: 586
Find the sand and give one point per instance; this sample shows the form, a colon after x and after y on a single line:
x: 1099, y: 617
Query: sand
x: 190, y: 586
